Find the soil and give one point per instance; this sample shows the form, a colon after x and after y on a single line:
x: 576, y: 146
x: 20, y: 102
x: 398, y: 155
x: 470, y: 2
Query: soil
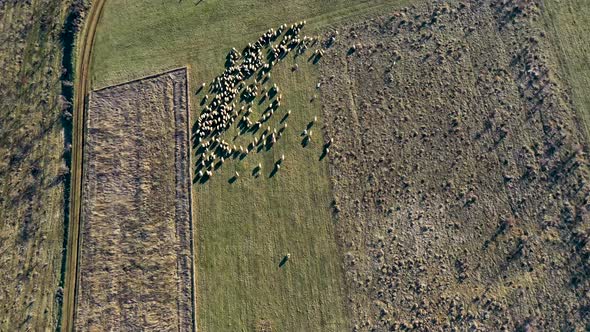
x: 459, y: 171
x: 135, y: 268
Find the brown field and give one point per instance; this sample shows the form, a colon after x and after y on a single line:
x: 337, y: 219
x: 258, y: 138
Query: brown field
x: 135, y: 263
x: 460, y: 182
x: 33, y: 168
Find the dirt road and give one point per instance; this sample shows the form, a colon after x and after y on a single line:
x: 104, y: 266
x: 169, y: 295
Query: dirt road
x: 84, y: 56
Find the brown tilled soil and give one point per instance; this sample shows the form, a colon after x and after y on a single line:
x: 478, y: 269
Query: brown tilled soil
x: 458, y: 170
x: 135, y: 268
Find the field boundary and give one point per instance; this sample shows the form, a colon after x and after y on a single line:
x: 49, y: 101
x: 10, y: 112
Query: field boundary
x: 83, y: 60
x: 190, y: 198
x: 147, y: 77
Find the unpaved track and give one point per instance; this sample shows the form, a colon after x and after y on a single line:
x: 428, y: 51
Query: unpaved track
x: 84, y: 56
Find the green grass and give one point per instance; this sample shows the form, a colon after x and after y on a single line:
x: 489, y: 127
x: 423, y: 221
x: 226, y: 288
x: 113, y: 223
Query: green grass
x: 568, y: 23
x: 137, y: 38
x: 242, y: 230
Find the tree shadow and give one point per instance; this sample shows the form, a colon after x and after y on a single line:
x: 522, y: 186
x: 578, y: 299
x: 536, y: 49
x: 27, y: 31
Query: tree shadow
x: 503, y: 227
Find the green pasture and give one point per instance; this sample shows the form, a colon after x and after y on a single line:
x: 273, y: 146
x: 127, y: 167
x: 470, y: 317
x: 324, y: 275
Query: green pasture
x: 244, y: 229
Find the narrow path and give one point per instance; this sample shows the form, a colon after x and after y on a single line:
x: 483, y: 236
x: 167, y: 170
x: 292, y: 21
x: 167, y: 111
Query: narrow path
x: 84, y: 44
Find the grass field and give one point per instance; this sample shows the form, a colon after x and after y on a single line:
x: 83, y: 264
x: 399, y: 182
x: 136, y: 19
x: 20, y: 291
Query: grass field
x: 32, y: 168
x: 568, y: 23
x: 244, y: 229
x: 167, y: 34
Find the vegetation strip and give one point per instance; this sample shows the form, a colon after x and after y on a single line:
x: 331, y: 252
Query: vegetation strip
x: 33, y: 174
x: 81, y: 88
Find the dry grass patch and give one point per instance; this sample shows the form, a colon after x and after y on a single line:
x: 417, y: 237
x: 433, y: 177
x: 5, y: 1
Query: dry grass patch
x: 135, y: 266
x: 459, y: 175
x: 32, y: 167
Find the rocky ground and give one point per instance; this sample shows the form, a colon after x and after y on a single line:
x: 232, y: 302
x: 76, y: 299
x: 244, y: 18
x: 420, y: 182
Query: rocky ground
x: 459, y: 171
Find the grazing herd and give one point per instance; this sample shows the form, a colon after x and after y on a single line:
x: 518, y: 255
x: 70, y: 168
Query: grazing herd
x: 233, y: 93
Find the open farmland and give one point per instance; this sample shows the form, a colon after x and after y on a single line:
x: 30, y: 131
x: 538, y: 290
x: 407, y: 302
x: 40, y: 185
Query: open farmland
x: 263, y: 164
x: 136, y: 38
x: 135, y: 262
x: 370, y: 165
x: 243, y: 229
x: 459, y: 173
x: 455, y: 174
